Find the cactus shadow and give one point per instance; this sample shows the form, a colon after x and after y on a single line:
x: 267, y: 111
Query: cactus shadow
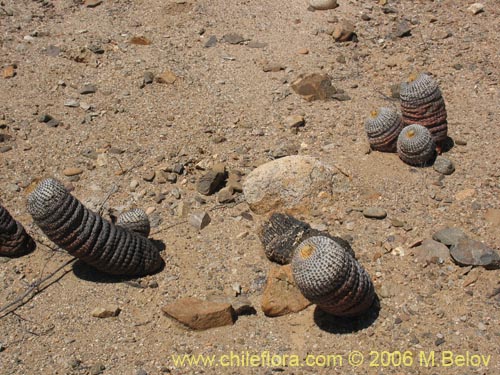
x: 346, y: 325
x: 447, y: 144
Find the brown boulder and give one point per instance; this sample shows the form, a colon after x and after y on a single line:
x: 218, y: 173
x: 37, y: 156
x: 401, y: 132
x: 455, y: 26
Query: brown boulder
x: 314, y: 86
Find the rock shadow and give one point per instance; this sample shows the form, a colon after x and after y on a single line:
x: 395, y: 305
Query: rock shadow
x: 345, y: 325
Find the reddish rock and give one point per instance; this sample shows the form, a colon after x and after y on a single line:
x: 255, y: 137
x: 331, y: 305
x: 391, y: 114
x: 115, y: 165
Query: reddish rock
x: 9, y: 71
x: 198, y: 314
x: 343, y: 31
x: 314, y: 86
x: 166, y: 77
x: 281, y: 295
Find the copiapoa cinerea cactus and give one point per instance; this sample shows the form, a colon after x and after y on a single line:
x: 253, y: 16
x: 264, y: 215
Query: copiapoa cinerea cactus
x: 135, y: 220
x: 282, y: 233
x: 14, y: 241
x: 328, y: 274
x: 416, y: 146
x: 86, y: 235
x: 422, y: 103
x: 383, y: 128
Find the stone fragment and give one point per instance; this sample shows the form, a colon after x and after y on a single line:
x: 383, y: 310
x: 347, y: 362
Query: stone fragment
x: 211, y: 181
x: 167, y: 77
x: 343, y: 31
x: 273, y: 67
x: 294, y: 121
x: 444, y: 166
x: 225, y: 195
x: 211, y: 42
x: 87, y: 89
x: 200, y: 315
x: 4, y: 149
x: 314, y: 86
x: 9, y: 71
x: 240, y: 304
x: 92, y: 3
x: 233, y: 38
x: 106, y: 312
x: 431, y: 251
x: 403, y: 29
x: 72, y: 171
x: 291, y: 183
x: 476, y: 8
x: 149, y: 176
x: 71, y: 103
x: 449, y: 236
x: 148, y: 78
x: 323, y: 4
x: 374, y: 213
x: 140, y: 41
x: 469, y: 252
x: 281, y: 296
x: 199, y: 220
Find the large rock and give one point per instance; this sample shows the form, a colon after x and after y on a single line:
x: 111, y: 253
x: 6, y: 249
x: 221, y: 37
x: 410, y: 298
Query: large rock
x: 281, y: 295
x: 198, y: 314
x: 314, y: 86
x: 431, y: 252
x: 469, y: 252
x: 291, y: 183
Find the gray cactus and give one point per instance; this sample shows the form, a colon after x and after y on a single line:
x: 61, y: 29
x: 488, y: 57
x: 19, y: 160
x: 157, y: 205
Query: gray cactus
x: 135, y: 220
x: 383, y: 128
x: 328, y: 275
x: 87, y: 236
x: 14, y: 241
x: 416, y: 146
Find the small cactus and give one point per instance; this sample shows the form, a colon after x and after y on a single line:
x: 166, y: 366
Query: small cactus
x: 416, y: 146
x: 14, y: 241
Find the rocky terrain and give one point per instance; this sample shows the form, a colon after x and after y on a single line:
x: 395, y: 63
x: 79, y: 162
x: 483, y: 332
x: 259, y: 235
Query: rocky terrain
x: 133, y: 103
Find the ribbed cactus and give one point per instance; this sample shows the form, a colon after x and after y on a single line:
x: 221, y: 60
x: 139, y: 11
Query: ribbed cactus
x: 328, y: 275
x: 282, y: 233
x: 87, y: 236
x: 416, y: 146
x: 14, y: 241
x: 135, y: 220
x: 382, y: 128
x: 422, y: 103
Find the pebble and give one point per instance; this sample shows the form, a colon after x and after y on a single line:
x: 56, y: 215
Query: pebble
x: 211, y: 42
x: 448, y: 236
x: 106, y: 312
x: 72, y: 171
x: 482, y: 326
x: 5, y: 149
x: 460, y: 142
x: 97, y: 369
x: 200, y: 315
x: 403, y: 29
x: 323, y: 4
x: 374, y: 213
x: 303, y: 51
x: 225, y: 195
x: 199, y: 220
x: 397, y: 223
x: 343, y: 31
x: 212, y: 180
x: 92, y: 3
x: 148, y: 78
x: 149, y: 176
x: 87, y: 89
x: 71, y: 103
x: 431, y: 251
x: 9, y: 71
x: 444, y: 166
x: 476, y: 8
x: 167, y: 77
x: 273, y: 67
x: 469, y: 252
x: 294, y: 121
x: 233, y: 38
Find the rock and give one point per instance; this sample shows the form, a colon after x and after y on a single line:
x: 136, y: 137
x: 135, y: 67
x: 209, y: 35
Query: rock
x: 233, y: 38
x: 343, y: 31
x: 140, y: 41
x: 211, y: 181
x: 273, y: 67
x: 291, y: 183
x: 476, y: 8
x: 96, y: 48
x: 303, y: 51
x: 281, y: 296
x: 200, y: 315
x: 396, y: 223
x: 465, y: 194
x: 182, y: 209
x: 71, y: 103
x: 52, y: 51
x: 374, y: 213
x: 448, y: 236
x: 149, y: 176
x: 106, y: 312
x: 444, y: 166
x: 68, y: 172
x: 314, y: 86
x: 148, y: 78
x: 323, y: 4
x: 141, y: 372
x: 431, y: 251
x: 403, y: 29
x: 87, y: 89
x: 9, y: 71
x: 167, y: 76
x: 92, y: 3
x: 233, y: 182
x: 294, y: 121
x: 5, y: 149
x: 225, y: 195
x: 241, y: 305
x: 199, y: 220
x: 178, y: 168
x: 133, y: 185
x: 255, y: 44
x: 468, y: 252
x: 211, y: 42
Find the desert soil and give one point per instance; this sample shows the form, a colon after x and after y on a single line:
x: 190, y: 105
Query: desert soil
x: 223, y: 107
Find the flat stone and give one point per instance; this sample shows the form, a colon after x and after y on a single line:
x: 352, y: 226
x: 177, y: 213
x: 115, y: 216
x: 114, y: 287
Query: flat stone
x: 469, y: 252
x: 71, y: 103
x: 240, y: 304
x: 140, y: 41
x: 323, y: 4
x: 281, y: 296
x: 294, y: 121
x: 200, y: 315
x: 273, y: 67
x: 199, y: 220
x: 210, y: 182
x: 403, y: 29
x: 4, y: 149
x: 87, y: 89
x: 374, y: 213
x: 211, y: 42
x: 449, y: 236
x: 72, y: 171
x: 314, y: 86
x: 233, y: 38
x: 431, y: 251
x: 444, y: 166
x: 167, y: 77
x: 291, y: 183
x: 106, y: 312
x: 476, y: 8
x: 343, y: 31
x: 149, y: 176
x: 92, y: 3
